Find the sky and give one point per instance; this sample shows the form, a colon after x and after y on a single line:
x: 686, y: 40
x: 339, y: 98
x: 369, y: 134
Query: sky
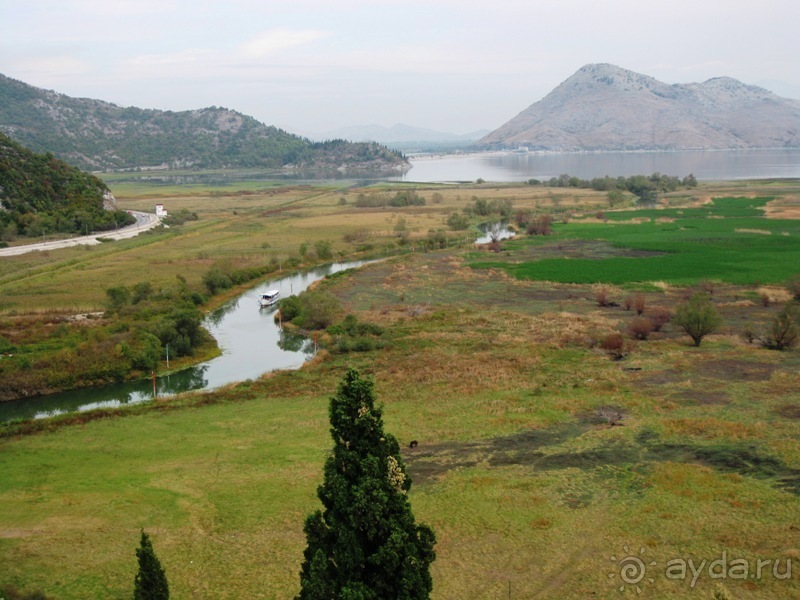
x: 312, y: 66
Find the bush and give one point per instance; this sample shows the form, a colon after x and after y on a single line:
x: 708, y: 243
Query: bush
x: 289, y: 307
x: 698, y: 317
x: 640, y: 327
x: 117, y: 298
x: 457, y: 222
x: 783, y: 332
x: 323, y: 249
x: 659, y: 317
x: 541, y: 226
x: 143, y: 350
x: 179, y: 217
x: 616, y: 346
x: 639, y: 302
x: 216, y: 280
x: 794, y: 287
x: 311, y: 309
x: 601, y: 296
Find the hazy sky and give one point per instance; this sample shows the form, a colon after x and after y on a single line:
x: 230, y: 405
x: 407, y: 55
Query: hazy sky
x: 451, y: 65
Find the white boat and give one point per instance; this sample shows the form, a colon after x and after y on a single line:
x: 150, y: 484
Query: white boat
x: 269, y: 298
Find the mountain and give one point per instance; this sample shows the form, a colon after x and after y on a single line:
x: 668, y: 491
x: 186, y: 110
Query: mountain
x: 604, y: 107
x: 93, y: 134
x: 406, y: 138
x: 400, y: 133
x: 40, y: 194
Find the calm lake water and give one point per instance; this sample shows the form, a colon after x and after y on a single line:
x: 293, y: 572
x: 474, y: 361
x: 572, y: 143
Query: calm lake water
x: 515, y: 166
x: 252, y: 344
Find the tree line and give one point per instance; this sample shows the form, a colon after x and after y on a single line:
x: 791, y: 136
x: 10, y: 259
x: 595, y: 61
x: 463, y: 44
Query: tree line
x: 646, y: 188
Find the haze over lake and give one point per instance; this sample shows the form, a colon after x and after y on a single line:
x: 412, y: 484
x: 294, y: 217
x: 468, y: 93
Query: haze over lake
x: 521, y: 166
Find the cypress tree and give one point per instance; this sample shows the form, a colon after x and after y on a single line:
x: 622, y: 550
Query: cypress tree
x: 365, y: 544
x: 151, y: 581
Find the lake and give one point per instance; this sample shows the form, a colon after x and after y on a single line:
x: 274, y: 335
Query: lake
x: 520, y: 166
x: 509, y: 167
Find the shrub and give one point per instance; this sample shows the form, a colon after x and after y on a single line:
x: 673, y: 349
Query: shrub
x: 323, y: 249
x: 794, y: 287
x: 117, y: 298
x: 698, y: 317
x: 457, y: 222
x: 142, y: 291
x: 216, y: 280
x: 289, y: 307
x: 179, y: 217
x: 311, y: 309
x: 609, y: 414
x: 627, y: 303
x: 640, y: 327
x: 639, y: 302
x: 143, y: 350
x: 541, y: 226
x: 659, y: 317
x: 602, y: 295
x: 615, y: 346
x: 782, y: 333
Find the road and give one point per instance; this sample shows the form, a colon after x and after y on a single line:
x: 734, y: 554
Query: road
x: 144, y: 221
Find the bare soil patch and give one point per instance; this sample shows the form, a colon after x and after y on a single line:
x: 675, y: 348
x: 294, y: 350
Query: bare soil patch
x: 786, y: 207
x: 736, y: 370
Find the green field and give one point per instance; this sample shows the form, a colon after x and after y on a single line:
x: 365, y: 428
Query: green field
x: 499, y: 376
x: 728, y: 242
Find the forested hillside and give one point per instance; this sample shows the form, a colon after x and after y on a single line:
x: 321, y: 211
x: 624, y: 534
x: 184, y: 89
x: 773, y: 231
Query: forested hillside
x: 97, y: 135
x: 41, y: 194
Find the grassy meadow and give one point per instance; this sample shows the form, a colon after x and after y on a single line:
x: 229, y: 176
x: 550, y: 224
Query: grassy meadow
x: 495, y: 371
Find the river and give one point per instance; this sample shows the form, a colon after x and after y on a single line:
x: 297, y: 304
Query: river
x: 251, y: 342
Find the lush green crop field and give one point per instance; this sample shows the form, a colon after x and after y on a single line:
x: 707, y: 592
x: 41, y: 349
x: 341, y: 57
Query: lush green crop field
x: 725, y: 242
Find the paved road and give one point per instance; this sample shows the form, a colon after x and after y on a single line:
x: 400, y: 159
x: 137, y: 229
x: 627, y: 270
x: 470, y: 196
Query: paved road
x: 144, y: 221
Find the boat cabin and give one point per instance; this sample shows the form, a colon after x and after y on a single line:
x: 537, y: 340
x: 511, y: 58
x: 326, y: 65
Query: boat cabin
x: 269, y: 298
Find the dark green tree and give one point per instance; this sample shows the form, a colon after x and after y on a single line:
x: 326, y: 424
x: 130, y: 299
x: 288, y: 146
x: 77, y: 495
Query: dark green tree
x: 365, y: 544
x: 151, y: 581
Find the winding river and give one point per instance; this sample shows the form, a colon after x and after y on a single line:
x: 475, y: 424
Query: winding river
x: 251, y: 342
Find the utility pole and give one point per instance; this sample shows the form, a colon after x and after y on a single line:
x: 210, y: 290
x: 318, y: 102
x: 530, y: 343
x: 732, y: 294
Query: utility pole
x: 168, y: 356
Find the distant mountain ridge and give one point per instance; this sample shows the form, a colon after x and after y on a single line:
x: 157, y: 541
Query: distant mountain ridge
x: 93, y: 134
x: 605, y: 107
x: 399, y: 133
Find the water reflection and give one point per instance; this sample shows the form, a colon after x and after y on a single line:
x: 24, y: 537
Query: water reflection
x: 293, y: 342
x: 513, y: 166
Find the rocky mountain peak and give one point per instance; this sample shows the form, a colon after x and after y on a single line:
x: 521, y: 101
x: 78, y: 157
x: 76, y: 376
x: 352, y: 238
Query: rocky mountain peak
x: 605, y: 107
